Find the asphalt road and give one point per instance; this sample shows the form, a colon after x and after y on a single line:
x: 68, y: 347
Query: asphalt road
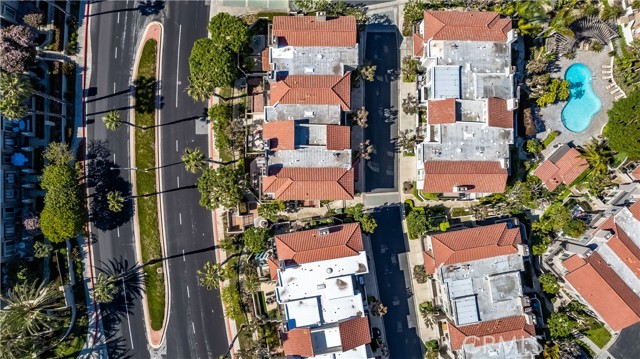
x: 389, y: 253
x: 195, y: 325
x: 381, y: 100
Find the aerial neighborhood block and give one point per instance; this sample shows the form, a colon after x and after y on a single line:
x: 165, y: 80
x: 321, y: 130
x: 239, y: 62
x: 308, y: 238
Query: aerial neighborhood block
x: 469, y: 94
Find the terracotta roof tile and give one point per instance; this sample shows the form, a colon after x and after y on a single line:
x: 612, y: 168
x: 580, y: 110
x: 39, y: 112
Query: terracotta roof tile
x: 624, y: 247
x: 313, y: 90
x: 472, y: 244
x: 309, y: 183
x: 298, y: 342
x: 605, y: 292
x: 418, y: 45
x: 501, y: 330
x: 498, y: 114
x: 273, y: 268
x: 310, y: 246
x: 338, y: 137
x: 636, y: 172
x: 310, y: 31
x: 354, y: 333
x: 569, y: 167
x: 466, y: 25
x: 574, y: 262
x: 478, y: 176
x: 281, y: 134
x: 429, y: 262
x: 635, y: 210
x: 264, y: 59
x: 441, y: 111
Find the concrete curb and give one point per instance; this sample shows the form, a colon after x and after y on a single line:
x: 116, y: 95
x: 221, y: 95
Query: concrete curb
x: 155, y: 338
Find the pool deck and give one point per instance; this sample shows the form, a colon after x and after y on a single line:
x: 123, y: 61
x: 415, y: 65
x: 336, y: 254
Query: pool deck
x: 551, y: 115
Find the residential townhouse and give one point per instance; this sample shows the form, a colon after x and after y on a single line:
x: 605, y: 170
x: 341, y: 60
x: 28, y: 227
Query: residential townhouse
x: 606, y: 276
x: 477, y: 274
x: 563, y: 166
x: 469, y: 96
x: 319, y: 284
x: 308, y: 154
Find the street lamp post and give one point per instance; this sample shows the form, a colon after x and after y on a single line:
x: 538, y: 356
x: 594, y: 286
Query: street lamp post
x: 129, y: 168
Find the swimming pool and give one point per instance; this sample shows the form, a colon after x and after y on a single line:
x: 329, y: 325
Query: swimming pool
x: 583, y: 103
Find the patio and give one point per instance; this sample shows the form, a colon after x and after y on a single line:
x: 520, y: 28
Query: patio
x: 551, y: 115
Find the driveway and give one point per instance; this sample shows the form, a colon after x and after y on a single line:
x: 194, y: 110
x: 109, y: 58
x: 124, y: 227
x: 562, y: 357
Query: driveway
x: 390, y: 255
x: 380, y: 95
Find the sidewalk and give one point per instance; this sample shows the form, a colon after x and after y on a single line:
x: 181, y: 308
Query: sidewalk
x: 371, y: 289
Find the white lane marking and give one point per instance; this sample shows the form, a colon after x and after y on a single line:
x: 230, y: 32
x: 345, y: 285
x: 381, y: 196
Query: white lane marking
x: 178, y: 178
x: 114, y: 87
x: 118, y: 230
x: 178, y: 63
x: 180, y: 218
x: 118, y: 18
x: 126, y: 305
x: 114, y: 158
x: 116, y: 52
x: 192, y: 327
x: 184, y: 259
x: 188, y: 294
x: 176, y: 145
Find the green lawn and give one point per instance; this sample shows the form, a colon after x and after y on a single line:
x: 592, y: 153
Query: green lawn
x: 146, y: 184
x: 618, y: 158
x: 599, y: 335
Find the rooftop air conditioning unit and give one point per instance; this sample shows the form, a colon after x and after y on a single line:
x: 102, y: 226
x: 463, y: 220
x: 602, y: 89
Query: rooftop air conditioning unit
x: 323, y: 231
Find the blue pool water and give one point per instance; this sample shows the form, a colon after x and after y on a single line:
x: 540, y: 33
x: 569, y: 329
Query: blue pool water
x: 583, y: 103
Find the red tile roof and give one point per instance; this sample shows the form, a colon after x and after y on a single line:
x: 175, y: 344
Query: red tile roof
x: 281, y: 134
x: 418, y: 45
x: 635, y: 210
x: 604, y: 290
x: 574, y: 262
x: 354, y: 333
x: 298, y: 342
x: 472, y: 244
x: 499, y: 116
x: 264, y: 59
x: 310, y: 246
x: 311, y: 31
x: 313, y: 90
x: 495, y: 331
x: 478, y: 176
x: 338, y: 137
x: 636, y: 173
x: 429, y: 262
x: 441, y: 111
x: 309, y: 183
x: 466, y: 25
x: 569, y: 167
x: 624, y: 247
x: 273, y: 268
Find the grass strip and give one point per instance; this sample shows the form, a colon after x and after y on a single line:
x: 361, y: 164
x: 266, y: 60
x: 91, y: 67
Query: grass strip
x: 599, y: 335
x: 146, y: 183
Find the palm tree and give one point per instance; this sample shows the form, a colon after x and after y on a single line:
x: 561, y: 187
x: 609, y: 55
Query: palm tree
x: 407, y: 140
x: 112, y: 120
x: 361, y: 117
x: 366, y: 149
x: 598, y: 156
x: 561, y: 22
x: 194, y: 160
x: 104, y: 288
x: 211, y: 275
x: 200, y: 88
x: 16, y: 90
x: 32, y: 313
x: 115, y: 201
x: 612, y: 12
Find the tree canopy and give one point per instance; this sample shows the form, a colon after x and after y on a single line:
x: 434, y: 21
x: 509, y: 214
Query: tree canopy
x: 16, y: 48
x: 210, y: 66
x: 16, y: 90
x: 63, y: 215
x: 270, y: 210
x: 549, y: 283
x: 623, y: 129
x: 228, y: 32
x: 256, y: 239
x: 560, y: 325
x: 219, y: 187
x: 367, y: 223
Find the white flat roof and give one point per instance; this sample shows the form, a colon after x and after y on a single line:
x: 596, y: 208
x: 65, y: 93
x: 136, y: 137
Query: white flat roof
x: 303, y: 312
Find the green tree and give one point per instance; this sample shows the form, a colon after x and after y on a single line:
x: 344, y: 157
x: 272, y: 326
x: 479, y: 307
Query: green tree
x: 612, y: 12
x: 104, y: 288
x: 232, y: 302
x: 368, y: 71
x: 361, y: 117
x: 211, y: 275
x: 367, y: 222
x: 270, y: 210
x: 63, y: 214
x: 598, y: 156
x: 115, y: 201
x: 551, y: 351
x: 560, y: 325
x: 16, y: 90
x: 410, y: 68
x: 534, y: 146
x: 256, y: 239
x: 32, y: 315
x: 209, y: 67
x: 194, y: 160
x: 549, y: 283
x: 228, y: 31
x: 562, y: 21
x: 554, y: 219
x: 420, y: 274
x: 112, y: 120
x: 58, y: 153
x: 574, y: 228
x: 41, y: 249
x: 220, y: 187
x: 200, y: 88
x: 416, y: 223
x: 623, y: 129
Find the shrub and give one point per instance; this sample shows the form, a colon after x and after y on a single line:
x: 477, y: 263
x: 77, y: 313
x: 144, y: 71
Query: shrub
x: 549, y: 283
x: 444, y: 226
x: 420, y: 274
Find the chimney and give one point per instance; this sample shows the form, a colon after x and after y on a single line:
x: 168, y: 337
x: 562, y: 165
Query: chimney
x: 321, y: 16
